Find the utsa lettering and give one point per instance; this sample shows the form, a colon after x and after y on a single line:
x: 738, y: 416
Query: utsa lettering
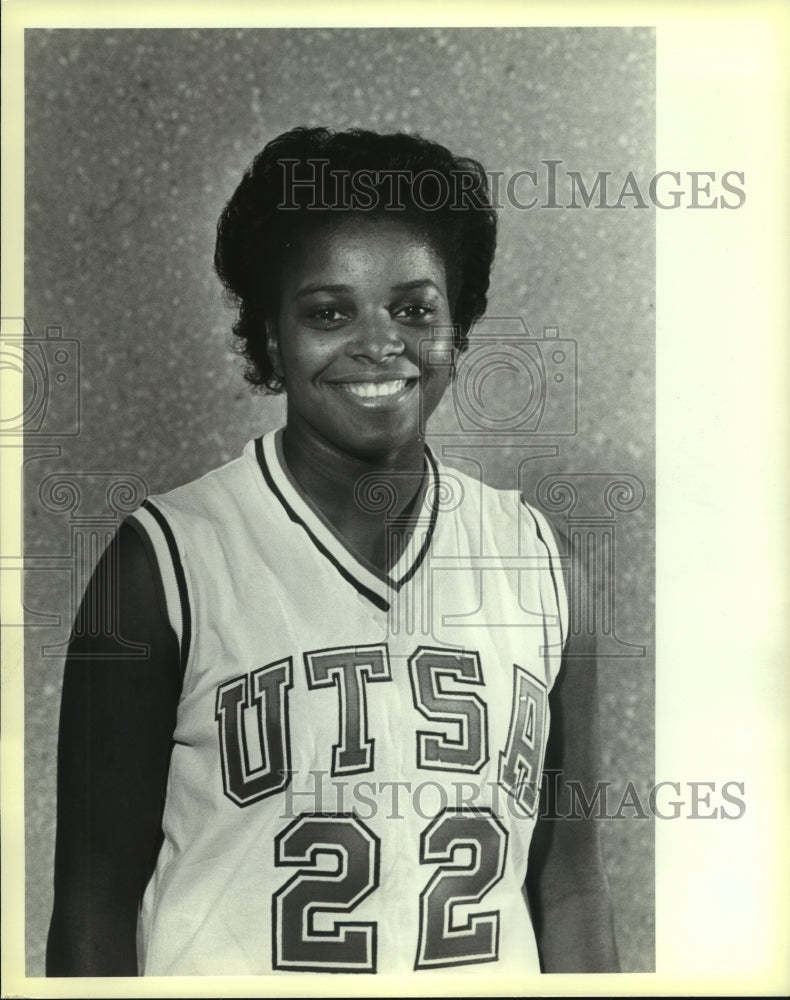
x: 313, y: 821
x: 520, y: 765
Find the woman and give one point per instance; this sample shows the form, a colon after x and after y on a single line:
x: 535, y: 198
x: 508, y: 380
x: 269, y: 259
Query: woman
x: 331, y: 758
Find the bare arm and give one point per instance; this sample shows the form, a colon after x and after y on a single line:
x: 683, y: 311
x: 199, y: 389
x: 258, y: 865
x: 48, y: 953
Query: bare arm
x: 566, y: 883
x: 116, y: 728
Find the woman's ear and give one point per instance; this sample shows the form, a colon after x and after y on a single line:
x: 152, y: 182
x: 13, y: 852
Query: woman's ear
x: 273, y: 349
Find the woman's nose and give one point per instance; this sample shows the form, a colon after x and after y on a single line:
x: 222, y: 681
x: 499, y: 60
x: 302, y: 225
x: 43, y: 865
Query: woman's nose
x: 377, y: 337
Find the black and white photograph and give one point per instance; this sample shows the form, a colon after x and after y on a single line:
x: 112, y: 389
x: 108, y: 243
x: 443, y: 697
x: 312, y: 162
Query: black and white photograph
x: 352, y: 647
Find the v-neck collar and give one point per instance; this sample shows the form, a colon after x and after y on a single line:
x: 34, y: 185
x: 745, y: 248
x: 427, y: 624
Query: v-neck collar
x: 377, y: 586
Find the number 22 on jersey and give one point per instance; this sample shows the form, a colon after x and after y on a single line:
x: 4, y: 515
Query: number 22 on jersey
x: 297, y: 943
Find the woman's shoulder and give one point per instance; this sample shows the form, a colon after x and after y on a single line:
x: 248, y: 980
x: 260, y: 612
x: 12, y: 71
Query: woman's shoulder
x: 225, y: 484
x: 464, y: 491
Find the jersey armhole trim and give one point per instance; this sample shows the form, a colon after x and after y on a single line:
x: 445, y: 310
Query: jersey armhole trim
x: 546, y: 537
x: 171, y: 571
x: 156, y: 574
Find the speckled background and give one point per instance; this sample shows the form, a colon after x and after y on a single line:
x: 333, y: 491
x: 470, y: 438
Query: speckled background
x: 134, y: 141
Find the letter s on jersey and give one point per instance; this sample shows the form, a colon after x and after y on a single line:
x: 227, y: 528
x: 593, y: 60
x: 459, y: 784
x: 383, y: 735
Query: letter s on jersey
x: 438, y: 678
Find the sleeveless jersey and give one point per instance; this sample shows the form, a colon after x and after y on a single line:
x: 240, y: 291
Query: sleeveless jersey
x: 357, y: 757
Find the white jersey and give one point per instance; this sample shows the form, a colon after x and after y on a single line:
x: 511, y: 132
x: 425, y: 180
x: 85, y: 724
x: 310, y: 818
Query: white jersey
x: 357, y: 756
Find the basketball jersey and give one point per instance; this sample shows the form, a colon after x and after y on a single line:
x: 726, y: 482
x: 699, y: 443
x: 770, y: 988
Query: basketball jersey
x: 357, y: 756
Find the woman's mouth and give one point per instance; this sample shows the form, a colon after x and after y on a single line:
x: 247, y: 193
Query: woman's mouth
x: 374, y: 390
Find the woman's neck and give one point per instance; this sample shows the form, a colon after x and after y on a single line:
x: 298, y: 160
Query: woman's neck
x: 361, y: 496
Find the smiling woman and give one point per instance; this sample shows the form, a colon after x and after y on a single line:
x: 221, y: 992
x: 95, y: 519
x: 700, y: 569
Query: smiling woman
x: 222, y: 804
x: 358, y: 303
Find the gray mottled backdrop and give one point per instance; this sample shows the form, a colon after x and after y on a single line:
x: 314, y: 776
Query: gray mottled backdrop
x: 134, y: 141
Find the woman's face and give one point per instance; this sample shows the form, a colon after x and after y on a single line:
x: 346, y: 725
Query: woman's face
x: 360, y: 303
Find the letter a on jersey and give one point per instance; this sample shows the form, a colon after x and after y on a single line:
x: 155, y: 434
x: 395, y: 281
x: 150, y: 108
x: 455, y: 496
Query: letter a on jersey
x: 521, y: 766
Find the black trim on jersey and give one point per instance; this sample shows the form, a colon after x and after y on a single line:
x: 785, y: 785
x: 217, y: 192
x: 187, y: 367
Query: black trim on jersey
x: 181, y: 581
x: 431, y: 525
x: 542, y: 540
x: 371, y: 595
x: 347, y: 575
x: 156, y: 572
x: 384, y: 577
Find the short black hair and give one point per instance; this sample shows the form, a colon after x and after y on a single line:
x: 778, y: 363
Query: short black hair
x: 310, y: 176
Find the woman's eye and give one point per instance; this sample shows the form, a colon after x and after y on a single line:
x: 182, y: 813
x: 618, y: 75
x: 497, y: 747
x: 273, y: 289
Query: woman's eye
x: 416, y: 311
x: 327, y: 315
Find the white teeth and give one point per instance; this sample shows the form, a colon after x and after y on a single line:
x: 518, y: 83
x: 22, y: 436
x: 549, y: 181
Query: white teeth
x: 370, y: 390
